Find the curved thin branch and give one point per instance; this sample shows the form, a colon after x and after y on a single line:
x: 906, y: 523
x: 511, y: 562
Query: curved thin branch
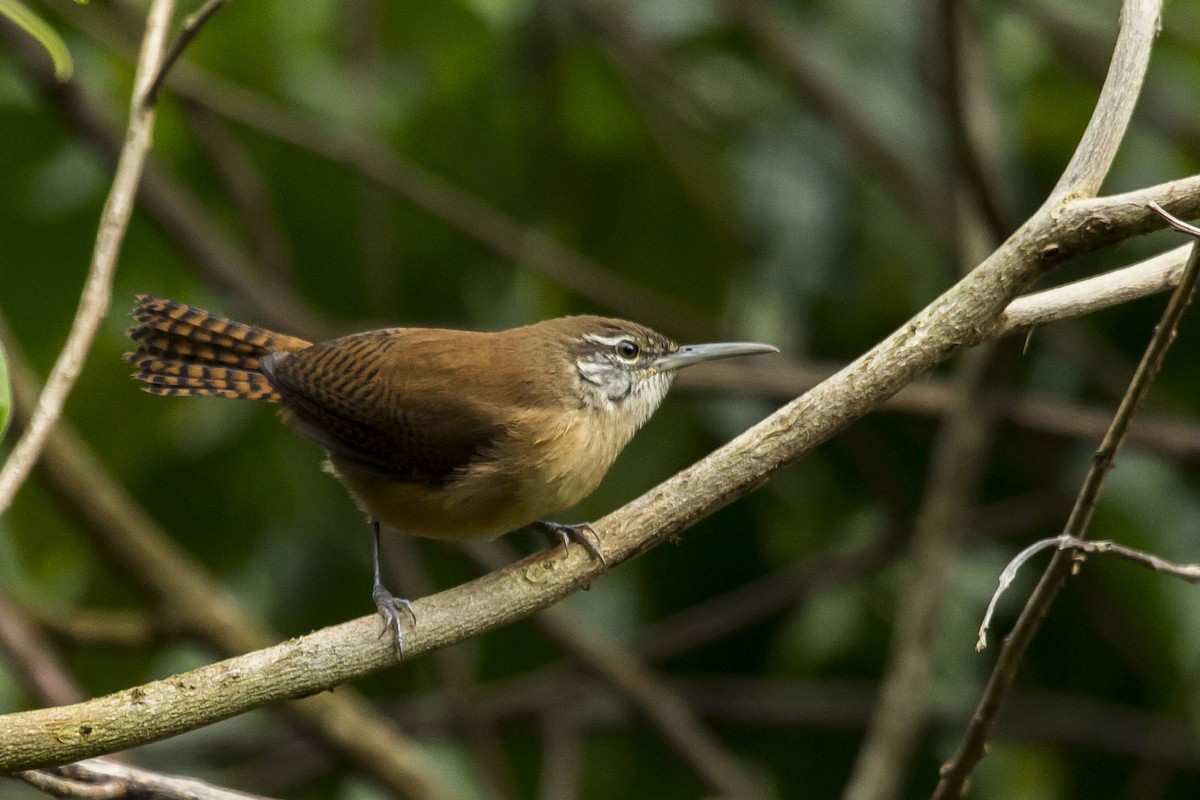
x: 1122, y: 86
x: 187, y: 32
x: 93, y: 303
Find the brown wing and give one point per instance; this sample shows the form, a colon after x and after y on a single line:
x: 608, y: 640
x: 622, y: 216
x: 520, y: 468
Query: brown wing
x: 386, y: 403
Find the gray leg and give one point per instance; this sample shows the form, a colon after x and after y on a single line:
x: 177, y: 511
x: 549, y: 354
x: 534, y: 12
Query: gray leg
x: 388, y: 604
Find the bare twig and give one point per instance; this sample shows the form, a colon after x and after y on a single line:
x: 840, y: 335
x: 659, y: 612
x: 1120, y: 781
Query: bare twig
x: 187, y: 32
x: 955, y: 774
x: 94, y: 300
x: 1007, y: 576
x: 1156, y: 274
x: 1122, y: 85
x: 34, y: 659
x: 1188, y: 572
x: 105, y: 778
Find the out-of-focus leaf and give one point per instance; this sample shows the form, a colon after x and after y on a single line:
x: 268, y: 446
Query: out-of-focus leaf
x: 32, y: 24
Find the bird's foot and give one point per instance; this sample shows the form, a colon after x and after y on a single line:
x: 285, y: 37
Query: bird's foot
x: 582, y: 533
x: 391, y: 608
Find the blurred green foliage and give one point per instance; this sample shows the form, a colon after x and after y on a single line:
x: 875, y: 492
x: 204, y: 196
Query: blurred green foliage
x: 662, y: 141
x: 20, y: 15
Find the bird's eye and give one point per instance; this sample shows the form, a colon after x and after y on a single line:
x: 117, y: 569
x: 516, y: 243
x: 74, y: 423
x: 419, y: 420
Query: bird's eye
x: 627, y: 350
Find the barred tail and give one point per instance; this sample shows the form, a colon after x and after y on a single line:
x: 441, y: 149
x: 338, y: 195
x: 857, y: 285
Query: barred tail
x: 183, y: 350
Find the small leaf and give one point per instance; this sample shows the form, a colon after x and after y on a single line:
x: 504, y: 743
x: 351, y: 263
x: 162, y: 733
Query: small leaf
x: 32, y: 24
x: 5, y: 394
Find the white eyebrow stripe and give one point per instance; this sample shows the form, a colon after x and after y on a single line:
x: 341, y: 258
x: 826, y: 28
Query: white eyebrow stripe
x: 610, y: 341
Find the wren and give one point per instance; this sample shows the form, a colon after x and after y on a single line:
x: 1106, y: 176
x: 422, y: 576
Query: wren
x: 441, y: 433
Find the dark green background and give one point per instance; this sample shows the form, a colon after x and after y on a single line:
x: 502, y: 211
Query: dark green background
x: 662, y: 140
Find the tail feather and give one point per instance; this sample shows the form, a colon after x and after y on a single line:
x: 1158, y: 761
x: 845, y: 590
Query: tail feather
x: 152, y: 328
x: 184, y: 350
x: 171, y: 347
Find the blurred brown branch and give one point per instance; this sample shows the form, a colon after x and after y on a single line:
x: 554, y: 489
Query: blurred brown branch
x: 633, y: 679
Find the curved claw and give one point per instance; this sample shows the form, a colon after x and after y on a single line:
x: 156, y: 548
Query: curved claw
x: 582, y: 533
x: 390, y: 607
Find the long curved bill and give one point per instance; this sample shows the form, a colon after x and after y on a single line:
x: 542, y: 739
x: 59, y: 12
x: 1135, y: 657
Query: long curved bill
x: 691, y: 354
